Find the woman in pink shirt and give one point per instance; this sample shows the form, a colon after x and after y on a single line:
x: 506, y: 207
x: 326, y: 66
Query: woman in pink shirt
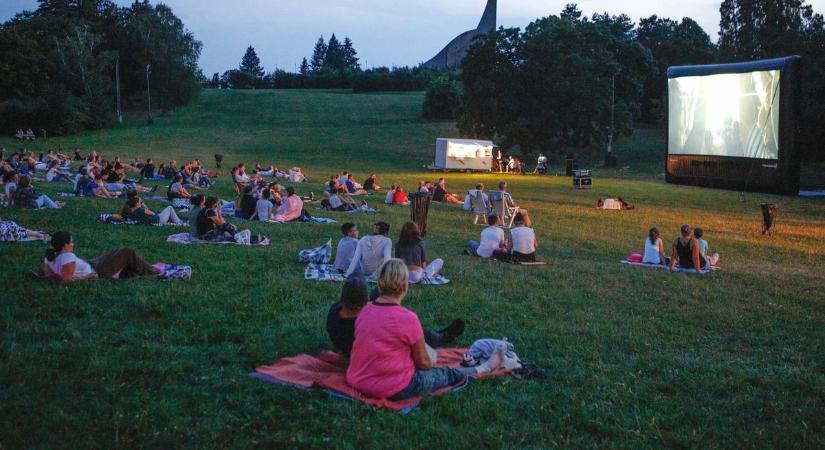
x: 291, y: 208
x: 389, y: 357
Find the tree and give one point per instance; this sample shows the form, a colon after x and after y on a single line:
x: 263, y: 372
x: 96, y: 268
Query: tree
x: 251, y: 64
x: 334, y: 60
x: 319, y: 54
x: 350, y: 56
x: 216, y: 81
x: 304, y: 70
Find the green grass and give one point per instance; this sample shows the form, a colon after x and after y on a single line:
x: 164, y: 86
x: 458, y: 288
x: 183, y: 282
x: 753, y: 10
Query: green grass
x: 638, y: 358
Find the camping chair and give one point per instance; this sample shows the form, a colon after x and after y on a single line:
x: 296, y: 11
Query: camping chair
x: 479, y: 208
x: 506, y: 212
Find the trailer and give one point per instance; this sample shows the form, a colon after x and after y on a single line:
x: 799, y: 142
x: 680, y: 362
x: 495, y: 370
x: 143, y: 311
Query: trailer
x: 463, y: 155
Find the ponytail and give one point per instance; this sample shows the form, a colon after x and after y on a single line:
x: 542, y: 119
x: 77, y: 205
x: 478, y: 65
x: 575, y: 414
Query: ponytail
x: 59, y: 241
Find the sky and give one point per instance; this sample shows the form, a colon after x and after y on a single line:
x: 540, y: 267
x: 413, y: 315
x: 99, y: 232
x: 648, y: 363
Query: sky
x: 384, y: 32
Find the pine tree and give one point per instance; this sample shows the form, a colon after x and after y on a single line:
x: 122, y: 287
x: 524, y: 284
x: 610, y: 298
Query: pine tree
x: 350, y: 56
x: 319, y: 55
x: 334, y: 59
x: 216, y: 81
x: 251, y: 64
x: 304, y: 70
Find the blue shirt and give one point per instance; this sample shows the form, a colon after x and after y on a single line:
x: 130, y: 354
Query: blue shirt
x: 90, y: 186
x: 350, y: 187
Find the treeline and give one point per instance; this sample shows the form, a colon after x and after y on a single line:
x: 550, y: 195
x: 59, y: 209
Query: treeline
x: 333, y: 65
x: 551, y: 84
x: 57, y: 64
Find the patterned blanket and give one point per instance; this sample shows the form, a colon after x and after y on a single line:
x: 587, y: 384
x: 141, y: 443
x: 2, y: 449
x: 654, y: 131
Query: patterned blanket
x: 325, y: 272
x: 115, y: 219
x: 664, y: 267
x: 187, y: 239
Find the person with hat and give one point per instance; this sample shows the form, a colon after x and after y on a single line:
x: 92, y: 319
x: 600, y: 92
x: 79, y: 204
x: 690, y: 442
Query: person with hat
x: 372, y: 251
x: 686, y: 252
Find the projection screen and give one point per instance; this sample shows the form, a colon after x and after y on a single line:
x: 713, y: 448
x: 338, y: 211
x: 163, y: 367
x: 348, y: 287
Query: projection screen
x: 731, y: 114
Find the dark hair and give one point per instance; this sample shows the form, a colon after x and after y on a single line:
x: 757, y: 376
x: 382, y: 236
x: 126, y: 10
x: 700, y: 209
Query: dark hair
x: 410, y: 235
x: 196, y: 199
x: 492, y: 219
x: 132, y: 201
x: 685, y: 229
x: 131, y: 194
x: 24, y: 181
x: 265, y: 193
x: 383, y: 227
x: 211, y: 201
x: 501, y: 184
x: 59, y: 241
x: 7, y: 177
x: 290, y: 190
x: 178, y: 178
x: 346, y: 228
x: 652, y: 234
x: 354, y: 292
x: 698, y: 232
x: 518, y: 218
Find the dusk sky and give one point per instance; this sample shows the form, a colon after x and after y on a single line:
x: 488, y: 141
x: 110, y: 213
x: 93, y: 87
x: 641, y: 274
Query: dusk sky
x: 384, y: 32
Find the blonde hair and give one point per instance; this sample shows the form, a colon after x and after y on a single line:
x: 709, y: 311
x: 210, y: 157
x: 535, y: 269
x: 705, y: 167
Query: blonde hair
x: 393, y: 277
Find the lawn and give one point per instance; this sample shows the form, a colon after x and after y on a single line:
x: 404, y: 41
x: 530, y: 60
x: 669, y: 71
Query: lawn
x: 637, y: 358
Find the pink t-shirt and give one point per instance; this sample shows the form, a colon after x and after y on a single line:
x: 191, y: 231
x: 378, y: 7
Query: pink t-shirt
x: 290, y: 209
x: 381, y: 363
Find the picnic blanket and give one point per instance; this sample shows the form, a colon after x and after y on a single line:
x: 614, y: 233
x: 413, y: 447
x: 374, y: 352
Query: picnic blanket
x: 187, y: 239
x: 664, y: 267
x: 114, y: 219
x: 327, y: 371
x: 317, y: 255
x: 360, y: 209
x: 325, y: 272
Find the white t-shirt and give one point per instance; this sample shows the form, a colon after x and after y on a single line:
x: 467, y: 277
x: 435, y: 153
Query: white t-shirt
x: 10, y: 186
x: 175, y: 188
x: 82, y: 269
x: 524, y: 239
x: 388, y: 198
x: 51, y: 174
x: 263, y: 208
x: 335, y: 202
x: 491, y: 239
x: 652, y: 255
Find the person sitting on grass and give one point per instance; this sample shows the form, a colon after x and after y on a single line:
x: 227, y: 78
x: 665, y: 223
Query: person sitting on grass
x: 197, y: 201
x: 176, y: 189
x: 371, y: 251
x: 410, y: 249
x: 493, y: 244
x: 399, y: 197
x: 55, y: 174
x: 388, y: 199
x: 95, y: 187
x: 63, y: 265
x: 292, y: 208
x: 654, y: 248
x: 390, y: 358
x: 10, y: 180
x: 246, y: 208
x: 137, y: 210
x: 710, y: 259
x: 264, y: 207
x: 523, y: 241
x: 686, y: 252
x: 342, y: 316
x: 25, y: 196
x: 440, y: 193
x: 211, y: 226
x: 352, y: 187
x: 346, y: 247
x: 371, y: 183
x: 10, y: 232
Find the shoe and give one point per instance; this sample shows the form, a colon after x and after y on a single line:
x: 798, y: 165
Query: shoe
x: 454, y: 330
x: 312, y: 196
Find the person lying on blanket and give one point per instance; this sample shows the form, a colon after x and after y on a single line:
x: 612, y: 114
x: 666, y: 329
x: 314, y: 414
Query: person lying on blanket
x: 654, y: 248
x: 97, y: 188
x: 492, y: 244
x: 342, y: 316
x: 523, y: 242
x: 371, y: 251
x: 686, y: 252
x: 346, y: 247
x: 11, y: 232
x: 25, y: 196
x: 55, y: 173
x: 138, y: 211
x: 411, y: 250
x: 63, y: 265
x: 390, y: 358
x: 292, y: 208
x: 211, y: 225
x: 711, y: 259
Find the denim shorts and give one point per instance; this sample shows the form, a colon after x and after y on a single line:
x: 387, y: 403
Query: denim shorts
x: 430, y: 380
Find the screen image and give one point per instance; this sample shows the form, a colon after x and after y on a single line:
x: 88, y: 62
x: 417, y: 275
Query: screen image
x: 733, y: 114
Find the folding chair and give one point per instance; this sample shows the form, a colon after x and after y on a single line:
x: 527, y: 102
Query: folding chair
x: 506, y: 212
x: 479, y: 208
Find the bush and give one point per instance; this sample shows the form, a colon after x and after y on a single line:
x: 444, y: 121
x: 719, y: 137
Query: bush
x: 443, y: 100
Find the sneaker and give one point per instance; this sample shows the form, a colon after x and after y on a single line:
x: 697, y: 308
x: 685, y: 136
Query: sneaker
x: 363, y: 203
x: 154, y: 188
x: 454, y: 330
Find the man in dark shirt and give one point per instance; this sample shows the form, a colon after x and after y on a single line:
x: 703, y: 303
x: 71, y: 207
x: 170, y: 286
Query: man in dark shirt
x: 342, y: 315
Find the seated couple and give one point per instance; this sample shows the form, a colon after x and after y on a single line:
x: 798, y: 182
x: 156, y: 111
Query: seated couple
x: 339, y: 201
x: 210, y: 225
x: 390, y: 357
x: 291, y: 208
x: 689, y: 252
x: 397, y: 196
x: 62, y: 264
x: 493, y: 244
x: 368, y: 254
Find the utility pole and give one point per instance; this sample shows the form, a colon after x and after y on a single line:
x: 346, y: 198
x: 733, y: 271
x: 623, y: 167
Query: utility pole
x: 117, y: 81
x: 148, y: 95
x: 610, y: 160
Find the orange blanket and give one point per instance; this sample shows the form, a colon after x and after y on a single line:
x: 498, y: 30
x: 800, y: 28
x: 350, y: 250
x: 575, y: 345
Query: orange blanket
x: 328, y: 371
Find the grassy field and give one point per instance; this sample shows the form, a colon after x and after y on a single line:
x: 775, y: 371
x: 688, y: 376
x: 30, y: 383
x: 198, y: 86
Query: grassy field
x: 637, y: 358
